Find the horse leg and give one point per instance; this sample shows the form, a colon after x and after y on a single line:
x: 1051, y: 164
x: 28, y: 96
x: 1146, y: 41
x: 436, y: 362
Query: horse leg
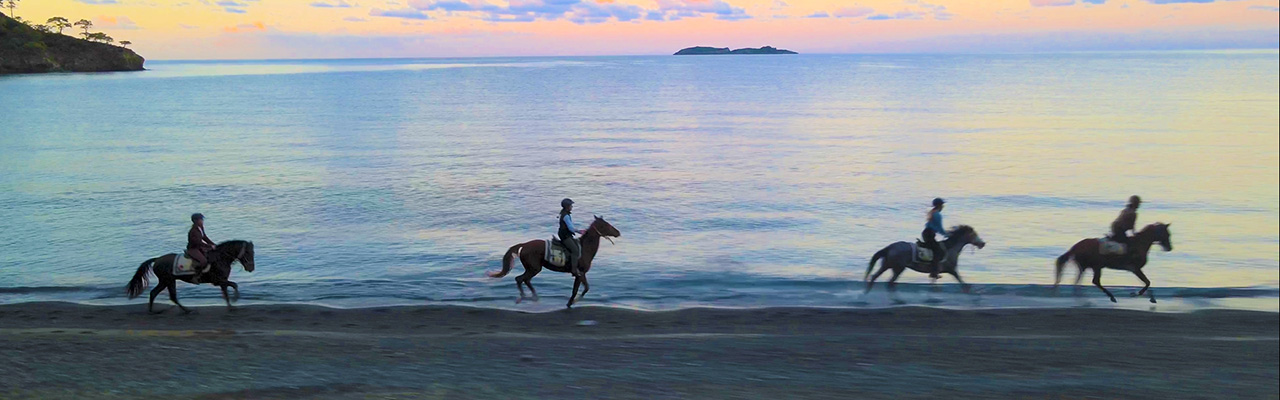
x: 529, y: 273
x: 225, y: 297
x: 1146, y: 284
x: 155, y: 292
x: 173, y: 296
x: 1079, y: 275
x: 893, y: 284
x: 1097, y: 281
x: 963, y: 286
x: 575, y: 297
x: 237, y: 289
x: 872, y: 281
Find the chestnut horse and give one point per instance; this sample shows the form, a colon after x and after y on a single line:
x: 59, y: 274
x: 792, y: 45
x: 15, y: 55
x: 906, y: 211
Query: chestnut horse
x: 1087, y: 256
x: 532, y: 256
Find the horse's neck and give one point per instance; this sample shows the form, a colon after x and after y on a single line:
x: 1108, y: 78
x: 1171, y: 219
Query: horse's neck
x: 1142, y: 241
x: 953, y: 252
x: 590, y: 243
x: 228, y: 250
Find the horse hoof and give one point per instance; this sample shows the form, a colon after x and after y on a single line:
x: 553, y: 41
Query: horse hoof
x: 519, y: 300
x: 1153, y: 301
x: 1133, y: 294
x: 1113, y: 299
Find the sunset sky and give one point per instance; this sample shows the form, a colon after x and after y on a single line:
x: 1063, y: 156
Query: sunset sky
x: 257, y: 29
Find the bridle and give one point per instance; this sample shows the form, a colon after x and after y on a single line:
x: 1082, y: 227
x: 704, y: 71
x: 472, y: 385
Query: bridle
x: 597, y: 231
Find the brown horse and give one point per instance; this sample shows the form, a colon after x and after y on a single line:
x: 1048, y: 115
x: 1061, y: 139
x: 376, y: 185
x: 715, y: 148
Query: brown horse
x: 1087, y: 255
x: 533, y: 258
x: 220, y: 259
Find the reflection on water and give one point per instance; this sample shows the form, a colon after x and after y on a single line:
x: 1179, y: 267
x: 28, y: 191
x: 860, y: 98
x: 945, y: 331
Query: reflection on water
x: 403, y: 180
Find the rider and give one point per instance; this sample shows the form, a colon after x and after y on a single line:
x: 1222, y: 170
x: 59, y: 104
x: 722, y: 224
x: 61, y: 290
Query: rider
x: 931, y: 227
x: 566, y: 232
x: 197, y: 245
x: 1125, y: 222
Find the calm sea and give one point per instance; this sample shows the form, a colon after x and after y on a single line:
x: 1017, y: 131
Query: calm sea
x: 736, y: 181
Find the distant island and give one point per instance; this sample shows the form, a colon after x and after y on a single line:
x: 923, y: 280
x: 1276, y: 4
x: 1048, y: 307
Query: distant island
x: 704, y: 50
x: 24, y: 49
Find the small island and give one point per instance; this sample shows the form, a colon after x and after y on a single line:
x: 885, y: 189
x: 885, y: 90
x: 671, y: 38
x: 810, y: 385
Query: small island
x: 25, y: 49
x: 704, y: 50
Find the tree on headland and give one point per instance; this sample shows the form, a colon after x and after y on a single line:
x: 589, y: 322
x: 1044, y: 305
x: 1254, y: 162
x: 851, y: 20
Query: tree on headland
x: 98, y: 37
x: 59, y: 23
x: 42, y: 28
x: 11, y: 4
x: 86, y: 24
x: 125, y: 43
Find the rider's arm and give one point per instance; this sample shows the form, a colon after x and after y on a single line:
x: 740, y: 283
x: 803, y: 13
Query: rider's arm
x: 568, y: 222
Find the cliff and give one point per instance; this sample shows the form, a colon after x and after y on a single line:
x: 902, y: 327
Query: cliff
x: 704, y: 50
x: 25, y: 50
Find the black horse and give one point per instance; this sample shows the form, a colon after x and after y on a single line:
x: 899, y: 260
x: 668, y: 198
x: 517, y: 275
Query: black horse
x: 220, y: 259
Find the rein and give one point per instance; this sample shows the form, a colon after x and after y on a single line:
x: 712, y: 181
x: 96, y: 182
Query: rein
x: 597, y: 231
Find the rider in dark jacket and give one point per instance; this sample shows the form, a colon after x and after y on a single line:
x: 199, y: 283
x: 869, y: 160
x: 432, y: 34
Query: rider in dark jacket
x: 1125, y: 222
x: 197, y: 244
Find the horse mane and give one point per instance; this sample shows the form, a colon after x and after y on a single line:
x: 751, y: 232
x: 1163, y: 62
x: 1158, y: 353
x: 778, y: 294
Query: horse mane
x: 231, y: 242
x: 961, y: 230
x: 1151, y: 226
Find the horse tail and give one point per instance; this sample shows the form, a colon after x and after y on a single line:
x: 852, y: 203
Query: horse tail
x: 140, y: 281
x: 879, y: 254
x: 1062, y: 261
x: 512, y: 253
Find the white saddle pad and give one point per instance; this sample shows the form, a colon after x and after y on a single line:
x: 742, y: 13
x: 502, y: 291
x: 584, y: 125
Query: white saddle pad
x: 555, y: 255
x: 1109, y: 247
x: 182, y: 266
x: 921, y: 254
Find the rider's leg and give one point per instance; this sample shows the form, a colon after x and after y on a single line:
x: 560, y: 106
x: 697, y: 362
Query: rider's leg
x: 932, y: 243
x: 198, y: 262
x: 575, y: 253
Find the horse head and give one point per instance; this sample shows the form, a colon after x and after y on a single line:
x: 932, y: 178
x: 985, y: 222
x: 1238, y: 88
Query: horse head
x: 965, y: 234
x: 247, y: 259
x: 603, y: 228
x: 1162, y: 235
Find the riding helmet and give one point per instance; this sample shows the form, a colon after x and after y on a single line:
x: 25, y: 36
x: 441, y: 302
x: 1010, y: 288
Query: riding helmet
x: 1135, y: 199
x: 196, y: 217
x: 565, y: 203
x: 938, y: 201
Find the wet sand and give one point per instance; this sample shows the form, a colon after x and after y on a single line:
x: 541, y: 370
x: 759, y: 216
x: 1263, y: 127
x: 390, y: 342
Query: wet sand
x: 61, y: 350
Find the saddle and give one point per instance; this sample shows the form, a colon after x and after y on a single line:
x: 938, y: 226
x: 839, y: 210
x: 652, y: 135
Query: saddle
x: 184, y: 265
x: 1110, y: 247
x: 556, y: 254
x: 922, y: 254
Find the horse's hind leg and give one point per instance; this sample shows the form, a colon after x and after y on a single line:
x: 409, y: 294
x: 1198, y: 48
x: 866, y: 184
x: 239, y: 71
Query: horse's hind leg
x: 1097, y: 281
x: 173, y: 296
x: 529, y: 273
x: 872, y: 281
x: 1075, y: 287
x: 155, y: 292
x: 1146, y: 285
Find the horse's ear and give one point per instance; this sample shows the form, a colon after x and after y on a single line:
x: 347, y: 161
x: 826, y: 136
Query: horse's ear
x: 1168, y: 225
x: 597, y: 216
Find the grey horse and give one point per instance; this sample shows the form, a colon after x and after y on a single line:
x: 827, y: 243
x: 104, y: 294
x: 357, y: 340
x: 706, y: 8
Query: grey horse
x: 898, y: 257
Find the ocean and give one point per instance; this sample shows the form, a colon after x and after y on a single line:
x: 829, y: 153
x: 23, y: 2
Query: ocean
x: 736, y: 181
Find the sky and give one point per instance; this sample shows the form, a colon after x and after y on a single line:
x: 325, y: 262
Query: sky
x: 283, y: 29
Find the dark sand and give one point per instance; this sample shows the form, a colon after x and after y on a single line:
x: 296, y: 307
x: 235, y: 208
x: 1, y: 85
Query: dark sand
x: 59, y: 350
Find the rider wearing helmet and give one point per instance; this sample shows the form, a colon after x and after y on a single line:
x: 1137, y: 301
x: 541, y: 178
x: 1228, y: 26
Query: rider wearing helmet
x: 566, y: 233
x: 932, y: 227
x: 197, y: 245
x: 1125, y: 222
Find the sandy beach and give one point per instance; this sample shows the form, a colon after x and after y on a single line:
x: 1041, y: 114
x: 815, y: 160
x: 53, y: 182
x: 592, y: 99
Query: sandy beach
x: 63, y: 350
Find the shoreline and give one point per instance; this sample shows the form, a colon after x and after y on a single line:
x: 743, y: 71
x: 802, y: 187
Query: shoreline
x: 63, y: 350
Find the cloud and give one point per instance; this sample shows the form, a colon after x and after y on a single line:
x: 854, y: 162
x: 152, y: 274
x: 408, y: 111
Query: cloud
x: 1052, y: 3
x: 853, y: 12
x: 108, y: 22
x: 819, y: 14
x: 1179, y: 1
x: 1095, y: 1
x: 185, y: 26
x: 254, y: 27
x: 1265, y: 8
x: 576, y: 11
x: 354, y: 19
x: 406, y: 13
x: 234, y: 10
x: 98, y: 2
x: 678, y: 9
x: 332, y: 4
